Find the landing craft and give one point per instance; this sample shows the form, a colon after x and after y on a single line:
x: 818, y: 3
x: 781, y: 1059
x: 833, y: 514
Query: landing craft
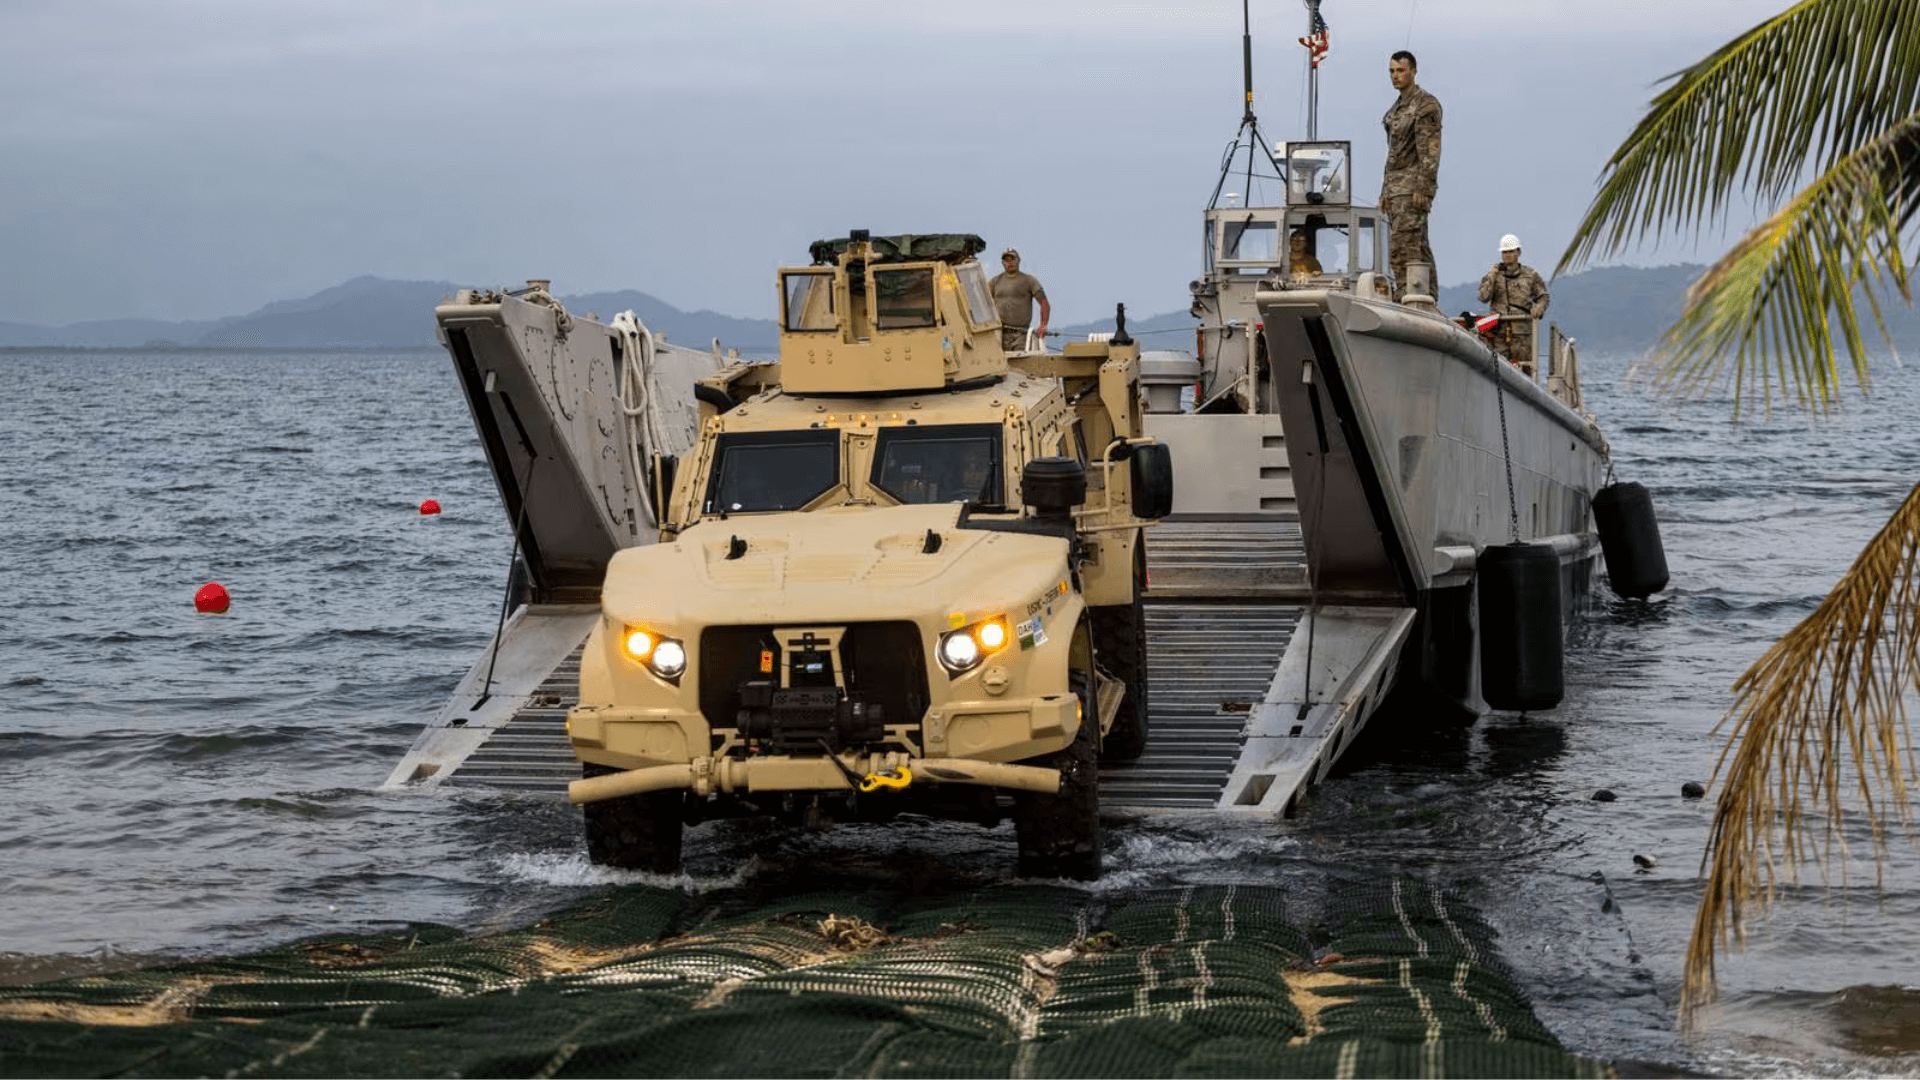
x: 1441, y: 496
x: 1354, y: 461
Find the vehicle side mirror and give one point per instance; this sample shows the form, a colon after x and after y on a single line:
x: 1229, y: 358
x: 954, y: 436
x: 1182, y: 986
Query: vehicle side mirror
x: 1152, y: 476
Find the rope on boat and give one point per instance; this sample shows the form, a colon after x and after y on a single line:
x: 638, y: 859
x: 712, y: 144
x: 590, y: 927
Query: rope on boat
x: 636, y: 403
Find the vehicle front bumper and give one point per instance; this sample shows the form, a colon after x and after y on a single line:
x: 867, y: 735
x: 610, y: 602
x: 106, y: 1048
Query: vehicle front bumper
x: 711, y: 775
x: 973, y: 742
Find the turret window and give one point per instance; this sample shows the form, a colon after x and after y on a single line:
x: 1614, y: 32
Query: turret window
x: 981, y: 311
x: 903, y: 298
x: 808, y: 299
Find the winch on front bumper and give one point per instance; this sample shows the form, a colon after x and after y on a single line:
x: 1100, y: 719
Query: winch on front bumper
x: 807, y: 718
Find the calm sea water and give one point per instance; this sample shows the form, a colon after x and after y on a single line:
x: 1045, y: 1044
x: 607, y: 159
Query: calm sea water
x: 181, y: 784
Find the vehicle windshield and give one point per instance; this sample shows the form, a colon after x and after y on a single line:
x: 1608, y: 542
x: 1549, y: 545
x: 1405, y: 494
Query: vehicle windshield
x: 940, y: 464
x: 761, y: 471
x: 1326, y: 242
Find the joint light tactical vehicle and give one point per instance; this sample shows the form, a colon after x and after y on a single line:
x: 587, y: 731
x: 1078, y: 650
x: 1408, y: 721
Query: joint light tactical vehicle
x: 901, y: 569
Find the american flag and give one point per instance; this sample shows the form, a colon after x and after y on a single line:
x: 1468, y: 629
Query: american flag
x: 1316, y: 42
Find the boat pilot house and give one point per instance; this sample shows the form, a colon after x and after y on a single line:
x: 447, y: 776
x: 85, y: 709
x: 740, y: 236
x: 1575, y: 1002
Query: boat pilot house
x: 1320, y: 237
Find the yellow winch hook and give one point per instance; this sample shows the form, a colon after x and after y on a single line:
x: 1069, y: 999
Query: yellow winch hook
x: 887, y: 778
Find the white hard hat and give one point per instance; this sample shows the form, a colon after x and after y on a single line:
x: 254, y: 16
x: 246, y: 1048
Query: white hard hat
x: 1509, y: 242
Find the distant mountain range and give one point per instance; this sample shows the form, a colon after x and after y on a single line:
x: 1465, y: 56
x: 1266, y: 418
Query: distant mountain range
x: 374, y: 313
x: 1609, y: 311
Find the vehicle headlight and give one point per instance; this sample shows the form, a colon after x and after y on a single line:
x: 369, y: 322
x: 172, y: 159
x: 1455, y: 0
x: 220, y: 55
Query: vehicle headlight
x: 669, y: 659
x: 664, y: 656
x: 962, y: 650
x: 959, y: 651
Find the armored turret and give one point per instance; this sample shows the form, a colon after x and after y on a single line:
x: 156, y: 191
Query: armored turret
x: 885, y: 314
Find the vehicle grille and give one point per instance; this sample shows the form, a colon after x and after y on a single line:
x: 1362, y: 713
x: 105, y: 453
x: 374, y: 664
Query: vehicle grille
x: 881, y: 664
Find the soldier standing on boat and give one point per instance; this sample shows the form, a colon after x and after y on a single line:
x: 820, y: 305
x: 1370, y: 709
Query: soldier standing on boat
x: 1413, y: 170
x: 1014, y: 294
x: 1519, y: 296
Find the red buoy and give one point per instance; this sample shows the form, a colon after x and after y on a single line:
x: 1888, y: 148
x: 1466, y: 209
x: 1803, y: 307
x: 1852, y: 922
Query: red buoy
x: 212, y: 599
x: 431, y: 506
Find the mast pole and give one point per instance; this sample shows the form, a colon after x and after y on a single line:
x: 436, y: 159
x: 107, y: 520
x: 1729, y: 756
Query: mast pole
x: 1313, y: 75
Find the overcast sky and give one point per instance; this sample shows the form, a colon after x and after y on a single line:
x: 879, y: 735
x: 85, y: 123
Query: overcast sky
x: 195, y: 160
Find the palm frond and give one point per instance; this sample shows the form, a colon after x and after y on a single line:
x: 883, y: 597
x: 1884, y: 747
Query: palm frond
x: 1768, y: 311
x: 1809, y: 86
x: 1818, y: 722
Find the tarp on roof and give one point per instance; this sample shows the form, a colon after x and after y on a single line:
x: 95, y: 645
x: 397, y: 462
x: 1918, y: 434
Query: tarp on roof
x: 906, y: 247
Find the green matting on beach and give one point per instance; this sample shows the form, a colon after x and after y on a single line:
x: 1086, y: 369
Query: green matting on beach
x: 1381, y: 977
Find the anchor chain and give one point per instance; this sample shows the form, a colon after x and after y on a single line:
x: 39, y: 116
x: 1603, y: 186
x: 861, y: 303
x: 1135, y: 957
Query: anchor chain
x: 1506, y: 451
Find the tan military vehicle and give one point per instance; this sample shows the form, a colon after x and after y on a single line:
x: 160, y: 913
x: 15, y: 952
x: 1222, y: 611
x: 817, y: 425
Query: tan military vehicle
x: 900, y: 570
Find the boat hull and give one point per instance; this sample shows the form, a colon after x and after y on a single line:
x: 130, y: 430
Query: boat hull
x: 1413, y: 449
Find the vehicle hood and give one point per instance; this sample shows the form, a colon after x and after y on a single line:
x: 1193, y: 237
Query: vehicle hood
x: 847, y: 564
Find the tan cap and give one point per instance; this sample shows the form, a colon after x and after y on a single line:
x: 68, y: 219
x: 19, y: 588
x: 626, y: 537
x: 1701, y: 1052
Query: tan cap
x: 1008, y: 252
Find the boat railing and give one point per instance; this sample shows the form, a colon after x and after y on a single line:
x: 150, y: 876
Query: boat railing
x: 1035, y: 344
x: 1561, y: 374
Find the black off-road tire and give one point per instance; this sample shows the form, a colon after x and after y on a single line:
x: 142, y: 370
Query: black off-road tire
x: 635, y: 832
x: 1059, y: 834
x: 1120, y: 648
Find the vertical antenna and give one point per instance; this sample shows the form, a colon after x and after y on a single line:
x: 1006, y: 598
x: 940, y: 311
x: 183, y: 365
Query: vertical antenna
x: 1249, y: 127
x: 1246, y: 60
x: 1246, y: 67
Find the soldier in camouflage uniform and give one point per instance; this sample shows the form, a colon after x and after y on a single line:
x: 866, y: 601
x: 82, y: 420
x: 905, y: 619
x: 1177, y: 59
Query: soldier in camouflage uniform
x: 1518, y: 295
x: 1413, y: 170
x: 1014, y: 293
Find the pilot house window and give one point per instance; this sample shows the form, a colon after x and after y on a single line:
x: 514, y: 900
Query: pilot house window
x: 1251, y: 241
x: 903, y: 298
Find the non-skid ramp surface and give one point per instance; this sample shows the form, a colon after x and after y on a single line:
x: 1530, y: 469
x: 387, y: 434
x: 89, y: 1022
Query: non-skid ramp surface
x: 1208, y: 666
x: 1228, y: 556
x: 1336, y: 974
x: 530, y: 752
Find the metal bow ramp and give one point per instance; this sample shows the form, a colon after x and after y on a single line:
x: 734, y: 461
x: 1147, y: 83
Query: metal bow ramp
x: 1208, y: 666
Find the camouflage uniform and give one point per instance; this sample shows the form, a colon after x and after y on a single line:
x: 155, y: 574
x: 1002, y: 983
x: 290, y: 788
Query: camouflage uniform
x: 1014, y: 293
x: 1518, y: 295
x: 1412, y: 179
